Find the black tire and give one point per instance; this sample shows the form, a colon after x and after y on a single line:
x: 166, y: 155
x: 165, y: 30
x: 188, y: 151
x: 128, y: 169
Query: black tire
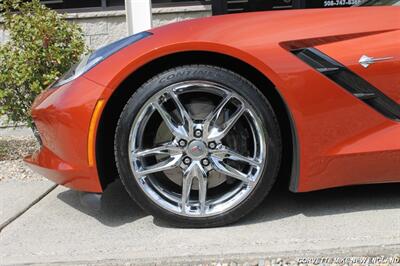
x: 213, y: 74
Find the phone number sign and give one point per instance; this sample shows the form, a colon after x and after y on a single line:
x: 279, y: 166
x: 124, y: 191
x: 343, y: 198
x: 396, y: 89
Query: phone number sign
x: 333, y: 3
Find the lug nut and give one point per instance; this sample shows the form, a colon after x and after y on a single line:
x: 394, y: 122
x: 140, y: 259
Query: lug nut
x: 187, y: 160
x: 198, y: 133
x: 182, y: 143
x: 212, y: 145
x: 205, y: 162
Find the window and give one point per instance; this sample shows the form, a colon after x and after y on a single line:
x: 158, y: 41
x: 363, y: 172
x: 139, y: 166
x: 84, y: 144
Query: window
x: 179, y: 2
x: 236, y: 6
x: 89, y: 5
x: 68, y: 4
x: 115, y: 3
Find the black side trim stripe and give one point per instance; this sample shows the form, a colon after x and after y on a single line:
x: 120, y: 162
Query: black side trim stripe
x: 350, y: 81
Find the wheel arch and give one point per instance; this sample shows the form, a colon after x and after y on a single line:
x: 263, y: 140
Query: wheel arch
x: 107, y: 171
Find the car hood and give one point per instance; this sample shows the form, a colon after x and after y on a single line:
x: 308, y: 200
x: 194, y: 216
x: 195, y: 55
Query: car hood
x: 284, y: 25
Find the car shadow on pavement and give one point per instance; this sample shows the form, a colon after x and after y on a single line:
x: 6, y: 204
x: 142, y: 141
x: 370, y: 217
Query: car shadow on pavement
x: 117, y: 208
x: 282, y: 203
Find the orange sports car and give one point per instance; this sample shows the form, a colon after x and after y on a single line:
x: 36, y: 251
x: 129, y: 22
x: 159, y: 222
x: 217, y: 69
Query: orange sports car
x: 200, y: 118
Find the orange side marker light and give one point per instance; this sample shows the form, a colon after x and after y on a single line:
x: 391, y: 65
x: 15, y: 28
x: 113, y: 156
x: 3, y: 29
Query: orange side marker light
x: 92, y: 132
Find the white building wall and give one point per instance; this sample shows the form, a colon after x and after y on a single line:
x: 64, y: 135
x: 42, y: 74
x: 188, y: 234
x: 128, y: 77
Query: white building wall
x: 101, y: 28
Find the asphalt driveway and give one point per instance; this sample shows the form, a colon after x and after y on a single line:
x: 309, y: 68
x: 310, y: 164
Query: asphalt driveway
x: 347, y: 221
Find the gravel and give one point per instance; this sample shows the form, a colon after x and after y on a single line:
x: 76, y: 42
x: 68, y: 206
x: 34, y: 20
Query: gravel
x: 16, y: 169
x: 15, y: 148
x: 12, y: 150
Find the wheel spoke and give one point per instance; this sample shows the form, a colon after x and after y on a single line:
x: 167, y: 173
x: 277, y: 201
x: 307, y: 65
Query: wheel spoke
x: 214, y: 115
x: 164, y: 149
x: 186, y: 188
x: 168, y: 164
x: 194, y: 171
x: 220, y: 132
x: 176, y: 130
x: 226, y: 153
x: 232, y: 121
x: 202, y: 178
x: 228, y: 170
x: 187, y: 120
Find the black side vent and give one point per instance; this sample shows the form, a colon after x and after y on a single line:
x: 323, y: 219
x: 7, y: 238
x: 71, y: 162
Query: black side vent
x: 353, y: 83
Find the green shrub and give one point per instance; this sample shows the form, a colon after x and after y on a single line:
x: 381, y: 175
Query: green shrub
x: 42, y: 46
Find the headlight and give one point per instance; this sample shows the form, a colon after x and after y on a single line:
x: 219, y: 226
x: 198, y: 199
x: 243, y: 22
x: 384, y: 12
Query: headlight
x: 90, y: 60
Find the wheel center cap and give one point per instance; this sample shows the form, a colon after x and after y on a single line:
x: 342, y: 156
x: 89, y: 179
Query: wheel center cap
x: 197, y: 149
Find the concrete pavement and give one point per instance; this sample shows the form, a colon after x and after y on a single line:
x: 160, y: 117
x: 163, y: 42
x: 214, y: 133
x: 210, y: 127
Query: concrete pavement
x: 353, y: 221
x: 16, y: 196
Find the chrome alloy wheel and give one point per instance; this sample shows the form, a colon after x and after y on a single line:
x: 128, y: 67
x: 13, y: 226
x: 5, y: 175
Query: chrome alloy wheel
x: 211, y: 138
